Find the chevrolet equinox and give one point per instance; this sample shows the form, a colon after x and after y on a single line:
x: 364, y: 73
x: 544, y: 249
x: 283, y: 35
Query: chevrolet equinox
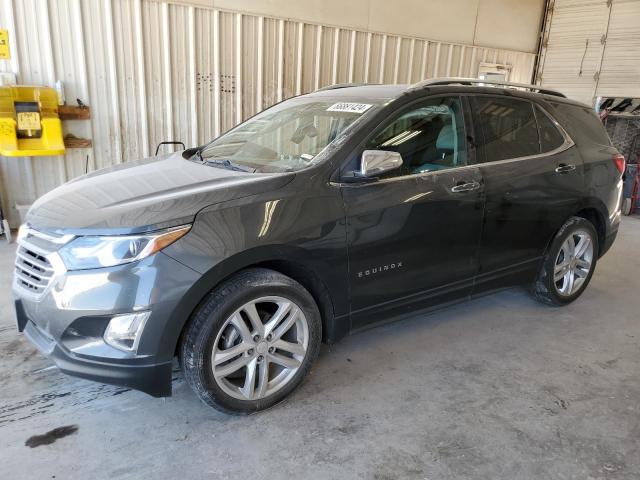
x: 320, y: 216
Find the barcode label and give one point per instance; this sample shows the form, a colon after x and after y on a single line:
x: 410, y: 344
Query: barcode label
x: 349, y: 107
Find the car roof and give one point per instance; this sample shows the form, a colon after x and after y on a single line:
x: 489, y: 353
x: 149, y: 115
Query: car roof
x: 382, y: 93
x: 361, y: 93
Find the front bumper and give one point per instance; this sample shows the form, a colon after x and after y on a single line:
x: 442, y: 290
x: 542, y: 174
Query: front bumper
x: 152, y: 379
x: 68, y: 321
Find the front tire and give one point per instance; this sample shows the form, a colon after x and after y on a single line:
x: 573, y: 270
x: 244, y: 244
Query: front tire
x: 251, y: 342
x: 568, y: 264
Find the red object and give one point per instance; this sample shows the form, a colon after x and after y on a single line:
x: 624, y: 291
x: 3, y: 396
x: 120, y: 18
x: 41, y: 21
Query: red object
x: 618, y: 159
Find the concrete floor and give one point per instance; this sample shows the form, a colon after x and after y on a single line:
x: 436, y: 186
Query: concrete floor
x: 500, y: 387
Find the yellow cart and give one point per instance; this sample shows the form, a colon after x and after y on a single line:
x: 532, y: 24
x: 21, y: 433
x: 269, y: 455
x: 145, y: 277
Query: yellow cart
x: 29, y: 122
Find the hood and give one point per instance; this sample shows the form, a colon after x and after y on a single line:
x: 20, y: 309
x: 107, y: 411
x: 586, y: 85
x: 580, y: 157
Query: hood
x: 145, y: 195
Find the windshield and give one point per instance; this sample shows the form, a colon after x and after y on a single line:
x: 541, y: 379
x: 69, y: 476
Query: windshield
x: 286, y: 137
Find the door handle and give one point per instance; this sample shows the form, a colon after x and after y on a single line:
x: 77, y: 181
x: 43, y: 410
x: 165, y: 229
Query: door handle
x: 465, y: 187
x: 564, y: 168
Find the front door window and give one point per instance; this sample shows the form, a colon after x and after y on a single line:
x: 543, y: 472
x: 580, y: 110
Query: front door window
x: 429, y: 137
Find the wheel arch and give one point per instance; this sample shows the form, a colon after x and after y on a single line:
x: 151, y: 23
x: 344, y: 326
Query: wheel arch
x: 594, y: 213
x: 288, y: 261
x: 313, y: 283
x: 597, y: 220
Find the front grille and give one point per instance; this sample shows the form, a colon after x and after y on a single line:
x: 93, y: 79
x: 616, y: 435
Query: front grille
x: 33, y: 270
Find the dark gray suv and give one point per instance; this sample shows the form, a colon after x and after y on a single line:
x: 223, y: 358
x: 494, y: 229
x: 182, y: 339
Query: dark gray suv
x: 323, y: 215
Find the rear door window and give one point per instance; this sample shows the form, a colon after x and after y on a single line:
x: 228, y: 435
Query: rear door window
x: 550, y: 136
x: 507, y: 128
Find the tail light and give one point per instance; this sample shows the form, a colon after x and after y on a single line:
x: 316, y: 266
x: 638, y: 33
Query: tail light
x: 618, y: 159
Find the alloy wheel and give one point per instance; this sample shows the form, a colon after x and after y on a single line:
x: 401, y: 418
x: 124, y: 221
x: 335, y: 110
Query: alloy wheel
x: 573, y: 263
x: 260, y: 347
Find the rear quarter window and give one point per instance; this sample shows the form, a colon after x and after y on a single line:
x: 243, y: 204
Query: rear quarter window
x: 550, y: 136
x: 581, y: 123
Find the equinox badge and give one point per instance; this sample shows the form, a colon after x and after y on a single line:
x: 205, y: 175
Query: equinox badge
x: 379, y: 269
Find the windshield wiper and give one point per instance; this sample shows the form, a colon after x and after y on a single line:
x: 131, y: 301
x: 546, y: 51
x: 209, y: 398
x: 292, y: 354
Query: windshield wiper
x: 223, y: 163
x: 198, y: 155
x: 228, y: 164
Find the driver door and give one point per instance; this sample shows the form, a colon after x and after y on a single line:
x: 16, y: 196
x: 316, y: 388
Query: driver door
x: 413, y: 234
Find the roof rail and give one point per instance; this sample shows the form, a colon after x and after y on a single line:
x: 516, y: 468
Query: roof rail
x: 335, y: 86
x: 476, y: 81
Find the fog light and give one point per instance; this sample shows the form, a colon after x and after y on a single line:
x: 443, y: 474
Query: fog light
x: 123, y: 331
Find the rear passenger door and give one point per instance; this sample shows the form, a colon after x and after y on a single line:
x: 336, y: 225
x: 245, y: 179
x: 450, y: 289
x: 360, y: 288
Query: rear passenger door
x: 533, y: 182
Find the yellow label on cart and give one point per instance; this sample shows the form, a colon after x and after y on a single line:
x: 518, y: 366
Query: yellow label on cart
x: 5, y: 52
x: 28, y: 121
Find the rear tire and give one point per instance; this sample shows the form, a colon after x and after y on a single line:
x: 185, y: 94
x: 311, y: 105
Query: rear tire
x: 568, y: 264
x: 251, y: 342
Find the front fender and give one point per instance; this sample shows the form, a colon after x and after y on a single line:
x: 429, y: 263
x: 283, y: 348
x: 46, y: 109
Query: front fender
x: 306, y: 230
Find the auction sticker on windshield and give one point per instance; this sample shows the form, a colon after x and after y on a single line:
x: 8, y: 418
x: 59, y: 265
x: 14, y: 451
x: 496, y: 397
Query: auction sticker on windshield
x: 349, y: 107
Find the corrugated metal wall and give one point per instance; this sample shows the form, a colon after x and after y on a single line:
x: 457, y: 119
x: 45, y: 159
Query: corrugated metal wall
x: 592, y: 49
x: 154, y: 71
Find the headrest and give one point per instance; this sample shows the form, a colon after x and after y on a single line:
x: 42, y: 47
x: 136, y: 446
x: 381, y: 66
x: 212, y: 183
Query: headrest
x: 445, y: 139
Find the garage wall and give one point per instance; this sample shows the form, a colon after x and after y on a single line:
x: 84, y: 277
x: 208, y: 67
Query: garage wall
x: 154, y: 71
x: 591, y: 48
x: 510, y: 24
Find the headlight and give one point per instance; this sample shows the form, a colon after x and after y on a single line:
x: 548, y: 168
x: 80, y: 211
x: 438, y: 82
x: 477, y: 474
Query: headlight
x: 22, y: 232
x: 97, y: 252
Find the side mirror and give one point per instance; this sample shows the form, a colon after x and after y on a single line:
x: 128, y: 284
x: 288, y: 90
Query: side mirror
x: 375, y: 162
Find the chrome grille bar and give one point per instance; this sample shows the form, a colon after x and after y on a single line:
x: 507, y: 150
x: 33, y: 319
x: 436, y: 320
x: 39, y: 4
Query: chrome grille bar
x: 34, y: 261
